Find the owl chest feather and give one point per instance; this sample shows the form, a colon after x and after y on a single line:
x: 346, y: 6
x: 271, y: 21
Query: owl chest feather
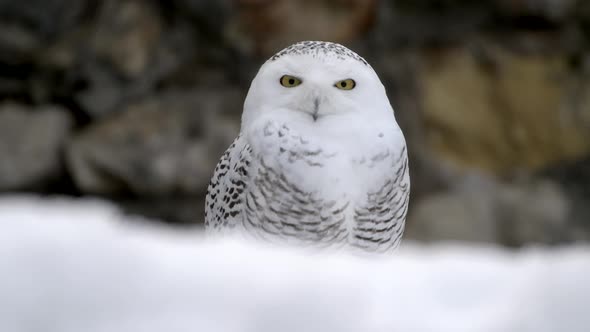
x: 307, y: 190
x: 330, y: 167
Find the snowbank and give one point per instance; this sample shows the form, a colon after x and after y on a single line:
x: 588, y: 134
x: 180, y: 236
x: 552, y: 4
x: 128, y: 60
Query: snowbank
x: 72, y: 266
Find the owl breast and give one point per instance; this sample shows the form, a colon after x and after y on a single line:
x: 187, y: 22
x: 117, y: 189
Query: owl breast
x: 306, y: 189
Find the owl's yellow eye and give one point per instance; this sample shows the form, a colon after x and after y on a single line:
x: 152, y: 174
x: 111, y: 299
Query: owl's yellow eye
x: 348, y: 84
x: 289, y: 81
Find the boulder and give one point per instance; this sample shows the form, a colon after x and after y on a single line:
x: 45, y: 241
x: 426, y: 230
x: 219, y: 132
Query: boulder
x: 265, y: 27
x: 550, y: 10
x: 126, y: 35
x: 535, y: 211
x: 31, y: 145
x: 574, y: 179
x: 502, y: 111
x: 467, y: 212
x: 163, y: 145
x: 479, y: 208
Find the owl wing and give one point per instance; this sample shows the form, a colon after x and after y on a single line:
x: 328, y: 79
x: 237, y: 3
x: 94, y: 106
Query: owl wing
x: 226, y: 191
x: 379, y: 223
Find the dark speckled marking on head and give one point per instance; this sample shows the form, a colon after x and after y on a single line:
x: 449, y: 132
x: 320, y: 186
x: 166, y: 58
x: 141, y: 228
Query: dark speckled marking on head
x: 315, y: 48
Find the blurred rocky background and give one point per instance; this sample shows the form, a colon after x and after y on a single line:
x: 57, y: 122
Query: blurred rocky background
x: 135, y: 100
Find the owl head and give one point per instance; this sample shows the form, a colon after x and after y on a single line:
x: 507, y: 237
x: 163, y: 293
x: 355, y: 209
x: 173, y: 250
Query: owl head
x: 317, y: 83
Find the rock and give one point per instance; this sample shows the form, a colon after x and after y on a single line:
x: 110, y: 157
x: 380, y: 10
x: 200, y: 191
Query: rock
x: 467, y: 213
x: 574, y: 179
x: 45, y: 18
x: 127, y: 34
x: 407, y: 23
x: 534, y: 212
x: 130, y: 51
x: 551, y: 10
x: 264, y: 27
x: 481, y: 209
x: 209, y: 16
x: 501, y: 111
x: 103, y: 92
x: 28, y: 26
x: 443, y: 23
x: 163, y: 145
x: 27, y: 29
x: 17, y: 44
x: 31, y: 143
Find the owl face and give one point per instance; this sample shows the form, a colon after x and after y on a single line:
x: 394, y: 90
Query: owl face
x: 317, y: 82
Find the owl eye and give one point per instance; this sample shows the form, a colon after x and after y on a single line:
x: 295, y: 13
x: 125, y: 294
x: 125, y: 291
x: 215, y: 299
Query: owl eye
x: 348, y: 84
x: 289, y: 81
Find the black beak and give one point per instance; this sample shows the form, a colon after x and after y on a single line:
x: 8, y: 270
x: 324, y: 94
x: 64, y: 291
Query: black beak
x: 316, y: 107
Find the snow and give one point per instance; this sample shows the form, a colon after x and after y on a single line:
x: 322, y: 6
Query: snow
x: 81, y: 265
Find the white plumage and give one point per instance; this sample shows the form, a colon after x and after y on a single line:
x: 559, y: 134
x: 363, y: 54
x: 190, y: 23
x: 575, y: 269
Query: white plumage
x: 320, y: 159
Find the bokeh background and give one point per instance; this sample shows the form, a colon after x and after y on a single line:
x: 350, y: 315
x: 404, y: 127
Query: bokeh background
x: 134, y: 101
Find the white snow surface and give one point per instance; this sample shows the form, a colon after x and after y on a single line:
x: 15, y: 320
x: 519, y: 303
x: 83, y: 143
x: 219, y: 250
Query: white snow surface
x: 81, y: 265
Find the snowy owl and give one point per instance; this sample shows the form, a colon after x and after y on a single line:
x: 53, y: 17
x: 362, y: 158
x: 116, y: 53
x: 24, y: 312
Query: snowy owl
x: 320, y: 159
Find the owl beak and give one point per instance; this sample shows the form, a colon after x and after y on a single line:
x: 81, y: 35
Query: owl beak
x: 316, y: 108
